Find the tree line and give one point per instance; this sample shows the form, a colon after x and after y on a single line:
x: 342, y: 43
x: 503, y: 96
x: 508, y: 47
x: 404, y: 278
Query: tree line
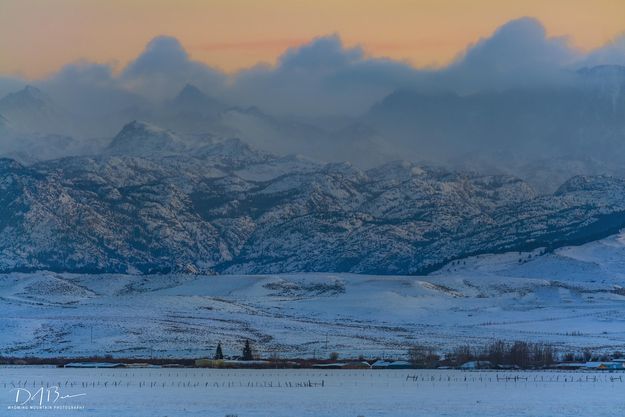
x: 518, y: 353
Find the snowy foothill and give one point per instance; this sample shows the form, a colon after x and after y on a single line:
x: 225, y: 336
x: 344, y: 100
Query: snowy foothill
x: 571, y: 298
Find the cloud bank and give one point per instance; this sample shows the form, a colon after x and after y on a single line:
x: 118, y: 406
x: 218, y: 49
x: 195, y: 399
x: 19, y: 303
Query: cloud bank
x: 324, y: 77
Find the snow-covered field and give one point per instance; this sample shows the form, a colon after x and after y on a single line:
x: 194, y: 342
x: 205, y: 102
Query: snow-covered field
x: 295, y: 393
x: 573, y: 298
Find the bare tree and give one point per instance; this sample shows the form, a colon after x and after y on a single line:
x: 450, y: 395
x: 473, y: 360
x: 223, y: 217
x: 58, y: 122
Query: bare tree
x: 497, y: 352
x: 463, y: 354
x: 420, y: 355
x: 520, y: 354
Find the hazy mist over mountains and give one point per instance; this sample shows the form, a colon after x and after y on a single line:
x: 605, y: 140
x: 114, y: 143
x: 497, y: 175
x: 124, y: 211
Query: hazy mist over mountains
x: 153, y: 201
x: 518, y: 102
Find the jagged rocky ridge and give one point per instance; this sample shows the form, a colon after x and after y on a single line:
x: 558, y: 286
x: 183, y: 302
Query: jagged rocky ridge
x: 204, y: 205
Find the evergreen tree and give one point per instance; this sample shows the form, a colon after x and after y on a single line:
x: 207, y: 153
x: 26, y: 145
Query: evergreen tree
x: 247, y: 351
x: 219, y: 355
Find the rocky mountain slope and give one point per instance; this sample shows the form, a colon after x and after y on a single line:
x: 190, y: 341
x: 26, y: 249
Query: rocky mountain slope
x: 159, y: 202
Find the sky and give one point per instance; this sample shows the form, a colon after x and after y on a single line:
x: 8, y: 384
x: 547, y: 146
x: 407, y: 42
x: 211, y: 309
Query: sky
x: 325, y: 66
x: 39, y: 37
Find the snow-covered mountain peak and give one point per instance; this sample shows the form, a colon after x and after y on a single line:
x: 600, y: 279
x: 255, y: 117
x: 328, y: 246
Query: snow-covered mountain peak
x: 139, y: 138
x: 590, y: 183
x: 344, y: 168
x: 193, y: 100
x: 232, y: 146
x: 398, y: 170
x: 28, y: 96
x: 189, y: 91
x: 139, y: 125
x: 232, y: 153
x: 30, y: 110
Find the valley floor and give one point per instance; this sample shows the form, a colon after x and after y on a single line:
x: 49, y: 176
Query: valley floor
x: 308, y: 393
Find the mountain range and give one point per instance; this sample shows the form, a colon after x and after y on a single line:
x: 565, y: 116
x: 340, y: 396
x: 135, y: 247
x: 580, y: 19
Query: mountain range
x: 154, y: 201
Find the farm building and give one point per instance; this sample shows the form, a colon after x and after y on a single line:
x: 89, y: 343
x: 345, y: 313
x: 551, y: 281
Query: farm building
x: 604, y: 365
x: 94, y: 365
x: 380, y: 364
x: 391, y: 365
x: 477, y: 365
x: 343, y: 365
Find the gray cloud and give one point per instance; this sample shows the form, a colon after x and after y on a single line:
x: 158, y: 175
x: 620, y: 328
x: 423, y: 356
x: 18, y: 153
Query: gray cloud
x: 324, y: 76
x: 325, y: 53
x: 164, y: 67
x: 321, y: 77
x: 518, y: 54
x: 89, y: 89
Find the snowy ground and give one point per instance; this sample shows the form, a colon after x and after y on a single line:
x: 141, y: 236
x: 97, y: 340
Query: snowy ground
x: 574, y: 297
x: 308, y: 393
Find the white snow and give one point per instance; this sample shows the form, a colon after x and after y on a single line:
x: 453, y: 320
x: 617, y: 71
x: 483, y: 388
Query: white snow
x: 572, y: 298
x: 315, y: 393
